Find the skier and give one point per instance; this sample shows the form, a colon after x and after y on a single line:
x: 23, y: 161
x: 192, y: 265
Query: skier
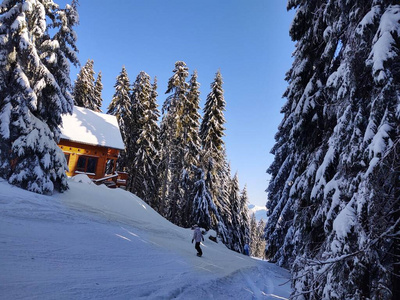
x: 198, y: 237
x: 246, y: 249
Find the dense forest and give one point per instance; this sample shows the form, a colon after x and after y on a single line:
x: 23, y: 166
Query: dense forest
x: 333, y: 201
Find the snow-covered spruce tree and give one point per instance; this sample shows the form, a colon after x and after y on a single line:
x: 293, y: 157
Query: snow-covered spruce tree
x: 143, y: 148
x: 382, y: 225
x: 140, y: 92
x: 203, y: 206
x: 84, y: 92
x: 213, y: 157
x: 260, y: 240
x: 172, y: 145
x: 244, y: 217
x: 120, y: 107
x: 152, y: 134
x: 190, y: 123
x: 341, y: 119
x: 66, y: 52
x: 234, y: 228
x: 97, y: 98
x: 189, y: 129
x: 257, y: 240
x: 300, y: 141
x: 224, y: 217
x: 253, y: 234
x: 35, y: 91
x: 237, y: 222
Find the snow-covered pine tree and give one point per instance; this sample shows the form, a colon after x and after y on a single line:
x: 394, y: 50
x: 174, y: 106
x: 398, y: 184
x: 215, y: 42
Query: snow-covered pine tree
x: 97, y: 98
x: 172, y: 145
x: 257, y: 239
x: 143, y: 148
x: 260, y: 240
x: 224, y: 217
x: 302, y: 132
x: 212, y: 127
x: 213, y: 157
x: 253, y: 234
x: 120, y: 107
x: 189, y: 125
x: 140, y: 92
x: 244, y: 217
x: 203, y: 206
x: 84, y: 93
x: 382, y: 225
x: 341, y: 119
x: 234, y: 229
x: 152, y: 134
x: 66, y: 52
x: 33, y: 92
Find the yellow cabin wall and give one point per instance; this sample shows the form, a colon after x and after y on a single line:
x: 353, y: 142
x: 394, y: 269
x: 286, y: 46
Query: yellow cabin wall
x: 75, y: 149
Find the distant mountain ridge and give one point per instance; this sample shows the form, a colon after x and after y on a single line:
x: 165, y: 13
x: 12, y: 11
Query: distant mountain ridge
x: 259, y: 211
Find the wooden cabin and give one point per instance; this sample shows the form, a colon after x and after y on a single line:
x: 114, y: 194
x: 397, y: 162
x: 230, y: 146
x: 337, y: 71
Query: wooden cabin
x: 91, y: 142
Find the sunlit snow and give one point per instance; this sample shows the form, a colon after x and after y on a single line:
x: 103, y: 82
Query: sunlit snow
x: 92, y: 242
x: 89, y: 127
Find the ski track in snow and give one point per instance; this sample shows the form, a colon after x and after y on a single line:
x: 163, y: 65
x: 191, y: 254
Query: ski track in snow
x: 57, y: 248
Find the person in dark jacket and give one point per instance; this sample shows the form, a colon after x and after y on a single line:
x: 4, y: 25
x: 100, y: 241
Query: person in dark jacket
x: 198, y: 237
x: 247, y: 249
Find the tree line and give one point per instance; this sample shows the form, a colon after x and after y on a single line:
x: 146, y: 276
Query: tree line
x: 175, y: 158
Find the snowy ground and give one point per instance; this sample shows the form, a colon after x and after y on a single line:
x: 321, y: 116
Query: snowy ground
x: 92, y: 242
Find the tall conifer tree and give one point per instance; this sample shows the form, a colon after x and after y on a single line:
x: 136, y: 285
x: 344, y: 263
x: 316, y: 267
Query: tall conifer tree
x: 213, y: 154
x: 203, y: 207
x: 35, y: 91
x: 212, y: 127
x: 260, y: 240
x: 120, y: 107
x: 253, y: 234
x: 244, y: 217
x: 97, y: 98
x: 144, y: 131
x: 257, y: 240
x: 234, y: 227
x: 172, y: 155
x: 84, y: 92
x: 190, y: 124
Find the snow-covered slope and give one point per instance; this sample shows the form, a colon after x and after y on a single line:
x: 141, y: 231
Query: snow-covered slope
x: 92, y: 242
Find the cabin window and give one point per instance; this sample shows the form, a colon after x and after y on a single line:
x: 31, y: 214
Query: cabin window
x: 86, y: 164
x: 110, y: 166
x: 67, y: 158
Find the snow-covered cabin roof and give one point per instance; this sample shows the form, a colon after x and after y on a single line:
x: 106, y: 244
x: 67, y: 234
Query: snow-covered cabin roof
x: 93, y: 128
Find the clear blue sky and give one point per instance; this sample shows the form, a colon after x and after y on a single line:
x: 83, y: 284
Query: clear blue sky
x: 248, y: 40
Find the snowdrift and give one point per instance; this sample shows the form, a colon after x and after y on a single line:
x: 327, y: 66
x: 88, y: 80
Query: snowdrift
x: 93, y: 242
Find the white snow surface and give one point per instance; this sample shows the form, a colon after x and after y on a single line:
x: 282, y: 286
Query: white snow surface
x: 92, y: 242
x: 93, y: 128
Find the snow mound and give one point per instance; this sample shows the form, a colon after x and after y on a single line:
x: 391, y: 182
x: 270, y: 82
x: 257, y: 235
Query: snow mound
x: 82, y: 178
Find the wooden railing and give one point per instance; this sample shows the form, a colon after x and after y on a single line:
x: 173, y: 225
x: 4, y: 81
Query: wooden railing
x: 118, y: 179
